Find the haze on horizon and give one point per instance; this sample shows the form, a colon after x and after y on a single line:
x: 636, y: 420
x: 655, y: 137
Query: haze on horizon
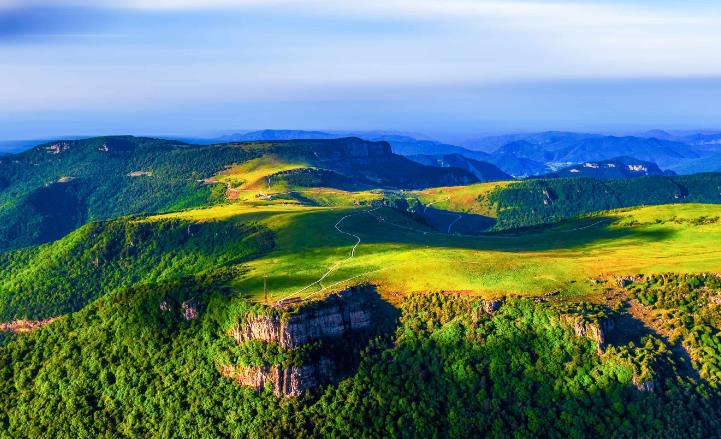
x: 443, y: 68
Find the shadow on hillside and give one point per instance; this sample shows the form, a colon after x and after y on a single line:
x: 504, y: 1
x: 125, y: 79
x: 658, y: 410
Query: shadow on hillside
x: 457, y: 222
x: 628, y: 329
x: 347, y: 351
x: 554, y: 237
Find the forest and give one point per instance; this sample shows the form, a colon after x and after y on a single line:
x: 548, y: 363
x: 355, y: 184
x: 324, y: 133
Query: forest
x: 543, y: 201
x: 122, y: 366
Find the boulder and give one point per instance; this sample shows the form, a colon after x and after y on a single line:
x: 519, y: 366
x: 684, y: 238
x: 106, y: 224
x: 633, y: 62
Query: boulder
x: 490, y: 306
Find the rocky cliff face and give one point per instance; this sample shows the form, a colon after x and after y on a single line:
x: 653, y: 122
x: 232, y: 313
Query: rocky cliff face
x: 490, y: 306
x: 332, y: 318
x: 596, y: 331
x: 285, y: 381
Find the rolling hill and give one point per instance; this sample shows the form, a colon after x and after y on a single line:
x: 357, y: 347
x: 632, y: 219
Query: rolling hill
x: 53, y: 188
x: 315, y: 287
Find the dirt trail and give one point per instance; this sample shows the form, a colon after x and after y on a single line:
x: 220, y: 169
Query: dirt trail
x: 457, y: 218
x: 337, y: 264
x: 450, y: 226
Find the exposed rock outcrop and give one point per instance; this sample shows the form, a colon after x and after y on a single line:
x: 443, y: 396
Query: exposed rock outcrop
x: 285, y: 381
x: 490, y: 306
x: 625, y: 281
x: 545, y: 296
x: 20, y: 326
x: 644, y: 385
x: 594, y: 330
x: 337, y: 326
x: 331, y: 318
x: 190, y: 310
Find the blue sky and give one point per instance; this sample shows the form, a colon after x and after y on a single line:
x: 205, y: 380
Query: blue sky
x: 446, y: 68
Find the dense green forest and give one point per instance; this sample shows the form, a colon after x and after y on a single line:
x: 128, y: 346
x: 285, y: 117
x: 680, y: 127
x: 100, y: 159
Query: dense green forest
x: 122, y: 366
x: 542, y: 201
x: 60, y: 277
x: 49, y: 194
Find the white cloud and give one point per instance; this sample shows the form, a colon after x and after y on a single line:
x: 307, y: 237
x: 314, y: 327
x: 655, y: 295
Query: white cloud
x: 468, y: 42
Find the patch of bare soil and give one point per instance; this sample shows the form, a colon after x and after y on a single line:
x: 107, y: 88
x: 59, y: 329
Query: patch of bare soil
x: 20, y: 326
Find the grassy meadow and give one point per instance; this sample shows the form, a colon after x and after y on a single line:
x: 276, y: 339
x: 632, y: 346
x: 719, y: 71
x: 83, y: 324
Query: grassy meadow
x: 472, y: 198
x: 401, y: 256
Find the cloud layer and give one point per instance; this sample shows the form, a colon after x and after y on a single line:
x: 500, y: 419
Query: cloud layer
x: 78, y: 55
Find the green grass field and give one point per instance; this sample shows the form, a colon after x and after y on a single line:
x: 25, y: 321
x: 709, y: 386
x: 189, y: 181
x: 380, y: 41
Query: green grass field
x: 402, y: 256
x: 472, y: 198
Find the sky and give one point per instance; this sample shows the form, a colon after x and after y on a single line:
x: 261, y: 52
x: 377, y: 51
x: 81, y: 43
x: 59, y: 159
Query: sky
x: 449, y: 69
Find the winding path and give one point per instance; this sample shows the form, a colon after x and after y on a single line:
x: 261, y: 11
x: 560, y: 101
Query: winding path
x: 338, y: 263
x: 453, y: 222
x: 591, y: 225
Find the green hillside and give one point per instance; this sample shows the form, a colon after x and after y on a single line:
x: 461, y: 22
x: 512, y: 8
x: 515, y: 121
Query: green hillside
x: 547, y: 307
x: 50, y: 190
x: 536, y: 202
x: 396, y: 253
x: 123, y: 367
x: 61, y: 277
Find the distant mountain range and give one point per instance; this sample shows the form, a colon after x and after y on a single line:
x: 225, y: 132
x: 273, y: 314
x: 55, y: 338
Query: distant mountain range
x: 524, y: 155
x: 491, y: 144
x: 663, y: 152
x: 273, y: 135
x: 620, y: 167
x: 519, y: 155
x: 484, y: 171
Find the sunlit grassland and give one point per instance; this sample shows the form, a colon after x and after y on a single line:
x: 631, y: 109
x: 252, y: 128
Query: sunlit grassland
x: 401, y: 256
x: 254, y: 178
x: 469, y: 199
x: 249, y: 211
x: 254, y: 174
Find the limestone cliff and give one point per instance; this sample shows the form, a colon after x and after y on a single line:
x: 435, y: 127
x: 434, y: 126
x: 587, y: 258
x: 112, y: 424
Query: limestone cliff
x: 332, y: 318
x: 595, y: 330
x: 285, y: 381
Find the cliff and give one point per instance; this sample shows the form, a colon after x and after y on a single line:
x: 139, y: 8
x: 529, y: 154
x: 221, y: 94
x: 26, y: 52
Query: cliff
x: 332, y: 318
x: 594, y: 330
x: 285, y: 381
x: 341, y: 324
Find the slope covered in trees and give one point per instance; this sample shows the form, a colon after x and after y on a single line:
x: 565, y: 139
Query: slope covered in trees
x: 54, y: 279
x: 124, y: 366
x: 543, y: 201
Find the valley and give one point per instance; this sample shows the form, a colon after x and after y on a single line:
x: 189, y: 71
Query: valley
x: 326, y: 283
x: 430, y: 219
